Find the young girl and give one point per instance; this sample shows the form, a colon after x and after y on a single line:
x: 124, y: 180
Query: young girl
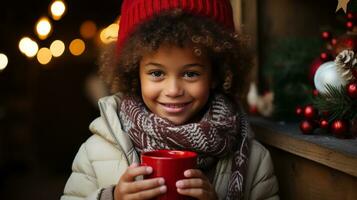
x: 178, y: 72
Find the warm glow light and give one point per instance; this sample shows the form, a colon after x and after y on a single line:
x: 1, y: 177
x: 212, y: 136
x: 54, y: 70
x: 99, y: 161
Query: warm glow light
x: 109, y: 34
x: 44, y: 56
x: 43, y: 28
x: 28, y: 47
x: 3, y: 61
x: 57, y: 48
x: 24, y: 43
x: 57, y: 9
x: 88, y: 29
x: 102, y: 36
x: 77, y: 47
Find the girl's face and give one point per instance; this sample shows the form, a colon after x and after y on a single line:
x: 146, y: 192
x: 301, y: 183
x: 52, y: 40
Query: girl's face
x: 175, y: 83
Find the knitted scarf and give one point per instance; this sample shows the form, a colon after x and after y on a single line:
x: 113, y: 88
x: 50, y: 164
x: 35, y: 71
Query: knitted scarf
x: 222, y: 131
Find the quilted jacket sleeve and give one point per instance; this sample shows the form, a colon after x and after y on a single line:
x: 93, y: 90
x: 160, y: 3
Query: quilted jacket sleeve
x: 82, y: 183
x: 263, y: 184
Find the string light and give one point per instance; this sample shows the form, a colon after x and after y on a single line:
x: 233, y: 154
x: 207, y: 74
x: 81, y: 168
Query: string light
x: 28, y: 47
x: 44, y: 56
x: 109, y: 34
x: 77, y: 47
x: 88, y: 29
x: 57, y: 9
x: 57, y: 48
x: 43, y: 28
x: 3, y: 61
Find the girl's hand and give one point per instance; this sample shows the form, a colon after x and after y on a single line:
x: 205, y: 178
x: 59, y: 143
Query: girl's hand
x: 129, y: 189
x: 196, y: 185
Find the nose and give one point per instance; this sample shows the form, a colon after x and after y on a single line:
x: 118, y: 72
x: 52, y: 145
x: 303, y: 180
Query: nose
x: 173, y: 88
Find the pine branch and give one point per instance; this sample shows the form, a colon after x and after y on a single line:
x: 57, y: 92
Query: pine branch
x: 336, y: 103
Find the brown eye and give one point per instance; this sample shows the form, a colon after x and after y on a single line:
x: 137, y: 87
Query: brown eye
x: 191, y: 74
x: 156, y: 74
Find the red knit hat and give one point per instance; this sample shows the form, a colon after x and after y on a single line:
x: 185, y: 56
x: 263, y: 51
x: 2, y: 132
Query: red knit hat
x: 134, y: 12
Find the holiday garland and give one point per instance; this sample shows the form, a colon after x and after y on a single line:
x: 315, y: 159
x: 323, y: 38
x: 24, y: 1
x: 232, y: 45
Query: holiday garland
x: 334, y: 106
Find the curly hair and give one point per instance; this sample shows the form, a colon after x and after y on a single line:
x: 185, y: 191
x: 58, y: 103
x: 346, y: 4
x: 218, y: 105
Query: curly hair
x: 226, y: 50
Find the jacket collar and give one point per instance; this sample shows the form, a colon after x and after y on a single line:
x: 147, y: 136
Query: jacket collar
x: 108, y: 126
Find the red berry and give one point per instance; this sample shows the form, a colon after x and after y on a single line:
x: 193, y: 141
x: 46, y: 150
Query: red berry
x: 339, y: 128
x: 299, y: 111
x: 352, y: 90
x: 333, y: 41
x: 349, y: 24
x: 307, y: 127
x: 309, y: 112
x: 349, y: 15
x: 253, y: 109
x: 324, y: 56
x: 350, y: 43
x: 315, y: 92
x: 326, y: 35
x: 324, y: 124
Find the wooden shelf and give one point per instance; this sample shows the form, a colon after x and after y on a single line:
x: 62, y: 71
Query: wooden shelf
x: 339, y: 154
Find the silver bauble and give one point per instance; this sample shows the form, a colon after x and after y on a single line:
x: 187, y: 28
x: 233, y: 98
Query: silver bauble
x: 327, y: 73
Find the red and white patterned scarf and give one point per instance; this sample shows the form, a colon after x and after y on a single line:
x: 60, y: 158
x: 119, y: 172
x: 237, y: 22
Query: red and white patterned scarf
x: 222, y: 131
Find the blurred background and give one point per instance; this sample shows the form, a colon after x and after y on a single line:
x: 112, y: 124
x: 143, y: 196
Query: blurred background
x: 48, y: 88
x: 48, y: 85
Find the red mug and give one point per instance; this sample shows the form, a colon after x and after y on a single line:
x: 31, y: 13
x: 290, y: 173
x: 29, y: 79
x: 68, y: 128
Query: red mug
x: 169, y: 164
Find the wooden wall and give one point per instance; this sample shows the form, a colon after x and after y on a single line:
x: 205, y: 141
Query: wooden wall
x: 303, y: 179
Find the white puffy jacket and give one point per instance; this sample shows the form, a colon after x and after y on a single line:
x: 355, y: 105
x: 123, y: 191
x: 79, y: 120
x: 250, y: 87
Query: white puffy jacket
x: 104, y: 157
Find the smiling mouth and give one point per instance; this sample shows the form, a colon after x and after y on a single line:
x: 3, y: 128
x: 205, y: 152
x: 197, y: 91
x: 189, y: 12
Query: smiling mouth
x: 174, y: 107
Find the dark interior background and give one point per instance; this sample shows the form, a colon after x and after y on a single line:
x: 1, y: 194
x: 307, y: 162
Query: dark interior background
x: 44, y: 110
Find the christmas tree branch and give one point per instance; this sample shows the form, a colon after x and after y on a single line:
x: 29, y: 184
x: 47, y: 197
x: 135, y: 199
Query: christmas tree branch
x: 336, y: 103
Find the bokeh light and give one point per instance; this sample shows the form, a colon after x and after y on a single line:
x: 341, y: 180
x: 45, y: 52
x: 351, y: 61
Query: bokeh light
x: 57, y: 9
x: 43, y: 28
x: 44, y: 56
x: 109, y: 34
x: 3, y: 61
x: 77, y: 47
x: 24, y: 44
x: 88, y: 29
x: 28, y: 47
x: 57, y: 48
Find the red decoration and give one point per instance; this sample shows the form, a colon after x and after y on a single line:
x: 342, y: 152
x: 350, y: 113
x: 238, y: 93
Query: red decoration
x: 324, y: 56
x: 309, y: 112
x: 349, y: 25
x: 333, y: 41
x: 339, y: 128
x: 350, y: 43
x: 299, y: 111
x: 315, y: 92
x: 349, y: 15
x: 253, y: 109
x: 307, y: 127
x: 324, y: 124
x: 345, y: 42
x: 352, y: 90
x: 326, y: 35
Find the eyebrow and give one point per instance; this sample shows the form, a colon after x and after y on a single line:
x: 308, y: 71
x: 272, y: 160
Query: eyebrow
x: 187, y: 65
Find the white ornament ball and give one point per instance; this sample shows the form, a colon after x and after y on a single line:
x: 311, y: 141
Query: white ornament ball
x: 327, y: 74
